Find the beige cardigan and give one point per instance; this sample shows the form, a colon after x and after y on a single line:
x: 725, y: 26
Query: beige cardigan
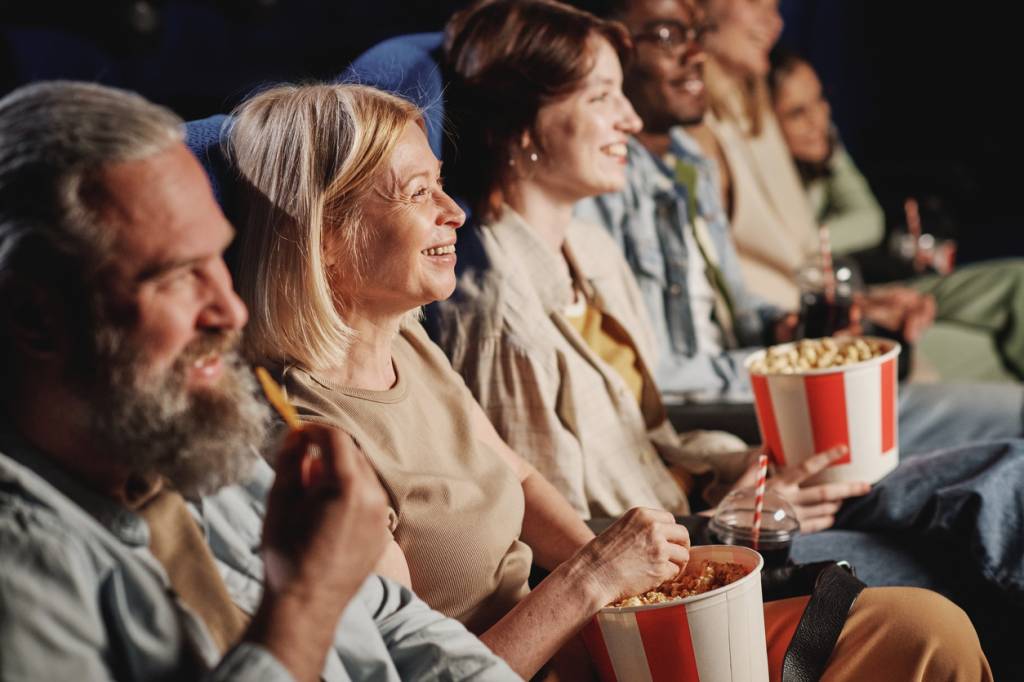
x: 772, y: 223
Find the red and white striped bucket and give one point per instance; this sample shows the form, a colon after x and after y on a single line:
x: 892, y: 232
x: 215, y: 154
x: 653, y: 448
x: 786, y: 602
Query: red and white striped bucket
x: 811, y: 411
x: 717, y: 636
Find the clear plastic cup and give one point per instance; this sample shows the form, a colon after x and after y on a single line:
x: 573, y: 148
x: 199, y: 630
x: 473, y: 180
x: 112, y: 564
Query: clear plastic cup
x: 733, y: 524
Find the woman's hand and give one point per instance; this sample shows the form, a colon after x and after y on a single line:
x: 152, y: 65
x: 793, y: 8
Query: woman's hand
x: 640, y: 551
x: 815, y: 505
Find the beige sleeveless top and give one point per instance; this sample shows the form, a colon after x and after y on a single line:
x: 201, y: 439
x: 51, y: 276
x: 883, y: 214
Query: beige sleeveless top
x: 457, y: 506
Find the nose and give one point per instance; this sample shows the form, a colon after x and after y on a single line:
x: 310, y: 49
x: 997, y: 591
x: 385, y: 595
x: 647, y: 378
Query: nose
x: 772, y: 19
x: 693, y: 54
x: 629, y: 122
x: 449, y: 214
x: 223, y: 309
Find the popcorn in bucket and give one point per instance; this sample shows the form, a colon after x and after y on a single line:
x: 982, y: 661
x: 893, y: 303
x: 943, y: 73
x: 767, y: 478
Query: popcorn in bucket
x: 715, y: 636
x: 816, y: 394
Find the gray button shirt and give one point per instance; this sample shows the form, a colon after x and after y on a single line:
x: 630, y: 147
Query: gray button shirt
x: 81, y: 597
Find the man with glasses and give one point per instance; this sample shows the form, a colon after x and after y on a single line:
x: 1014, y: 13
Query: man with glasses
x: 675, y: 233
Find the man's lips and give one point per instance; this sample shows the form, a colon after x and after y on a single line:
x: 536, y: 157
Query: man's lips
x: 207, y: 368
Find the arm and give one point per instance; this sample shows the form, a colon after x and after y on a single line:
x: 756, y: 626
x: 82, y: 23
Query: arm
x: 855, y: 220
x: 393, y: 565
x: 551, y: 527
x: 309, y: 534
x: 60, y: 618
x: 414, y: 634
x: 642, y: 549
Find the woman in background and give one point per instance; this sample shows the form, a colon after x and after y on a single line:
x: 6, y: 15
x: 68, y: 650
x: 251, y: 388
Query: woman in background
x: 546, y: 325
x: 347, y: 232
x: 986, y: 298
x: 839, y: 195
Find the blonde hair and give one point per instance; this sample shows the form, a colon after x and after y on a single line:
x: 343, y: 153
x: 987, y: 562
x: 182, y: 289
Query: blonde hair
x: 744, y: 101
x: 307, y: 156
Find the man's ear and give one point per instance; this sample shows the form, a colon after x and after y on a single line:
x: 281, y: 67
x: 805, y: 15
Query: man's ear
x: 36, y: 319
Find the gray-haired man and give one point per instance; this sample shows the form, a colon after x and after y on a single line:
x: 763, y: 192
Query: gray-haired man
x: 127, y: 549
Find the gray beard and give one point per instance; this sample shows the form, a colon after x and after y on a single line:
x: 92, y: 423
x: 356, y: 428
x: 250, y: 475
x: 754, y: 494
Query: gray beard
x: 197, y: 440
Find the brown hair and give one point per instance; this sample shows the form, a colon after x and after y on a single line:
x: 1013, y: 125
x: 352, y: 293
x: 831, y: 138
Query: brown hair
x: 507, y: 59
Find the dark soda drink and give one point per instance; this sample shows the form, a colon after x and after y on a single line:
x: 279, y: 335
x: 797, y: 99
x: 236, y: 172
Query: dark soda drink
x: 820, y: 317
x: 774, y: 551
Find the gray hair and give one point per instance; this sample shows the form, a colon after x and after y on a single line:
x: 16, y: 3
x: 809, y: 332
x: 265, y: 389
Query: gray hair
x: 53, y: 137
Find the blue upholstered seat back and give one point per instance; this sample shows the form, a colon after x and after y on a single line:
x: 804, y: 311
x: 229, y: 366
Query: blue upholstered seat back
x: 203, y: 137
x: 407, y: 66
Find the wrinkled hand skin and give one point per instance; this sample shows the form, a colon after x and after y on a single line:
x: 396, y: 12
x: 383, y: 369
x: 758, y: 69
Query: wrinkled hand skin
x: 638, y: 552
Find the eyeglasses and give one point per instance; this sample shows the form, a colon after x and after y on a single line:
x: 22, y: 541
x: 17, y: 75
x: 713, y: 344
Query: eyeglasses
x: 672, y: 35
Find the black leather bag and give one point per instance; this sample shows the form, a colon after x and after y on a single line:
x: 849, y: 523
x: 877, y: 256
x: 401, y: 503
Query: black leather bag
x: 833, y: 589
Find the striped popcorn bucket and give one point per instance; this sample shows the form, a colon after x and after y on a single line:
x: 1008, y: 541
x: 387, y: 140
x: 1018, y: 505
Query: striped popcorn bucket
x: 717, y: 636
x: 811, y: 411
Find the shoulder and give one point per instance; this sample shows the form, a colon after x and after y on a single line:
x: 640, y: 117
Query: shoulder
x: 49, y: 564
x: 596, y: 252
x: 492, y: 295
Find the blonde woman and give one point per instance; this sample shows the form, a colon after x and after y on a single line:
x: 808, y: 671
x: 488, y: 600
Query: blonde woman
x: 347, y: 233
x: 346, y: 206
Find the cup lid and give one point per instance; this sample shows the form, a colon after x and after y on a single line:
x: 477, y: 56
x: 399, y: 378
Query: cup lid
x: 734, y: 517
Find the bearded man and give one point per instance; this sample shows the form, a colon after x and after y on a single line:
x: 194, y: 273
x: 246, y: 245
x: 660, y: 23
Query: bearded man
x: 127, y: 549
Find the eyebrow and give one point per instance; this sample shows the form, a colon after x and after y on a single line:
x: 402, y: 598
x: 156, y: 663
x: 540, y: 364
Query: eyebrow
x: 600, y: 80
x: 158, y: 269
x: 423, y: 173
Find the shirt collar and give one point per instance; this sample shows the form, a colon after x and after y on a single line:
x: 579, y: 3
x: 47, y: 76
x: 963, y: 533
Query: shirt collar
x: 685, y: 148
x: 544, y: 269
x: 47, y: 479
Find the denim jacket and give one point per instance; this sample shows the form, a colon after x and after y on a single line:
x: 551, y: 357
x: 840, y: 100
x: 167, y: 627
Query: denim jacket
x: 648, y: 218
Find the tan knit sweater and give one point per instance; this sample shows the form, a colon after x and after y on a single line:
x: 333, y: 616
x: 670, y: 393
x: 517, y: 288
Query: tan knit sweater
x: 457, y: 506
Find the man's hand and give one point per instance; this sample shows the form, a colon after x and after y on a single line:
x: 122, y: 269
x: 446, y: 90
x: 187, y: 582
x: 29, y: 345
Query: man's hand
x: 815, y: 505
x: 322, y: 536
x: 640, y: 551
x: 900, y: 309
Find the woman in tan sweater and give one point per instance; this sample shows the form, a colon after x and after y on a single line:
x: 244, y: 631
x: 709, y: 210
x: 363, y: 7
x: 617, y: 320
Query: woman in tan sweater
x: 347, y: 233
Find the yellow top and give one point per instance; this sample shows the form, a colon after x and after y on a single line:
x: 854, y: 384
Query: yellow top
x: 618, y: 352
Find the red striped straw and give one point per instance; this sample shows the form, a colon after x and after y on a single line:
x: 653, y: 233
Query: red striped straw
x: 828, y: 272
x: 913, y: 213
x: 762, y: 476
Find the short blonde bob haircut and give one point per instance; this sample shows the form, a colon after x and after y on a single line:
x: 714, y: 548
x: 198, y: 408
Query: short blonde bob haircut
x: 307, y: 156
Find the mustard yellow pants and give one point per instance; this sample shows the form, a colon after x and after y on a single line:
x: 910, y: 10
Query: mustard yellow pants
x: 892, y: 633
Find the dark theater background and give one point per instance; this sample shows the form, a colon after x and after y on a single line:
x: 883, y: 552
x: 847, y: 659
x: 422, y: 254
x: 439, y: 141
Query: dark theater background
x: 922, y: 91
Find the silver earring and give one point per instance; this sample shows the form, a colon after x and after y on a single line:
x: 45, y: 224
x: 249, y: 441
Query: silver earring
x: 533, y: 157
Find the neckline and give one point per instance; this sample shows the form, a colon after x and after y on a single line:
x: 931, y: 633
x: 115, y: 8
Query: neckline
x: 391, y: 395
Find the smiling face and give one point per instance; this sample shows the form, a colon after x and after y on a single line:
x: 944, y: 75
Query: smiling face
x: 665, y: 81
x: 804, y: 114
x: 169, y: 288
x: 583, y: 135
x: 411, y: 223
x: 745, y: 34
x: 171, y: 395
